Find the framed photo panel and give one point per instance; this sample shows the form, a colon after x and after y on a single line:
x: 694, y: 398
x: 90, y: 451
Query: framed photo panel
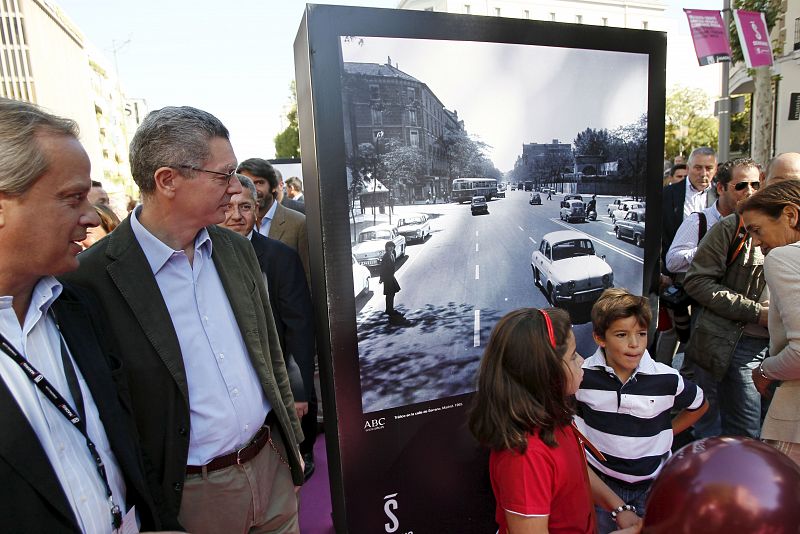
x: 457, y: 168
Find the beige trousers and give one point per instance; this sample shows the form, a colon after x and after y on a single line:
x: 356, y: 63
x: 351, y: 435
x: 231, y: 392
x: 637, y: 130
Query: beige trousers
x: 253, y: 498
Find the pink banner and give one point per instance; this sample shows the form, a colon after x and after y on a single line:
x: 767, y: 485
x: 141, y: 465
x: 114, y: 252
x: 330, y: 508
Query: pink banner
x: 710, y: 36
x: 754, y: 38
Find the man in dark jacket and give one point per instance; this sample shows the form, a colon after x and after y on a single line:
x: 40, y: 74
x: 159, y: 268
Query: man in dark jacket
x: 390, y: 284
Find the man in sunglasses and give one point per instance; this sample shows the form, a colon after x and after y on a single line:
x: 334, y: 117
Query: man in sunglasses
x: 729, y: 337
x: 193, y: 326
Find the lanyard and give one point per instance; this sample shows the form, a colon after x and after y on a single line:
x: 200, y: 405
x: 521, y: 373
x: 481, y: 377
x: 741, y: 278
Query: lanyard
x: 61, y: 404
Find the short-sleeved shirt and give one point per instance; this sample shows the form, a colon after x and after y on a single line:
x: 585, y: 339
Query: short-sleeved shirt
x: 544, y: 481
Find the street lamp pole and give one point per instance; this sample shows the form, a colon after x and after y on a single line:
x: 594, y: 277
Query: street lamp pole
x: 378, y: 137
x: 724, y: 141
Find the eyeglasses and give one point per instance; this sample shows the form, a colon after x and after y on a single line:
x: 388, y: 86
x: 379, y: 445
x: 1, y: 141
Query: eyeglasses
x: 244, y: 208
x: 741, y: 185
x: 226, y: 175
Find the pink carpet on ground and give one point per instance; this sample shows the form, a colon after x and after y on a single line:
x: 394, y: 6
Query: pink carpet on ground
x: 315, y: 497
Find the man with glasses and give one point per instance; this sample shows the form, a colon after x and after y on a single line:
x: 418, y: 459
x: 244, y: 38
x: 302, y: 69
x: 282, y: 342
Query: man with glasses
x: 290, y: 299
x: 191, y: 316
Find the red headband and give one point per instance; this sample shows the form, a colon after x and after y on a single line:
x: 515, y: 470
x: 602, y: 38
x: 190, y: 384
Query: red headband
x: 549, y: 324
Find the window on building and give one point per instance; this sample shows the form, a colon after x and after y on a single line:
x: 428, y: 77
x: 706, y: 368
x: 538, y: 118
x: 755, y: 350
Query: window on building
x: 377, y: 117
x: 466, y: 9
x: 412, y: 94
x: 497, y: 11
x: 526, y: 13
x: 579, y: 19
x: 413, y: 137
x: 374, y: 92
x: 644, y: 24
x: 552, y: 16
x: 412, y: 117
x: 605, y: 21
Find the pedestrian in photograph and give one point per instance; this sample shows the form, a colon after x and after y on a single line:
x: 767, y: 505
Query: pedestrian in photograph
x: 523, y: 412
x: 549, y: 194
x: 390, y: 284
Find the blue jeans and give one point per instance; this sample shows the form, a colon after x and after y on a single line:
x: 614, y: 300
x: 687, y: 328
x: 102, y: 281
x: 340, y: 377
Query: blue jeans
x: 734, y: 399
x: 635, y: 495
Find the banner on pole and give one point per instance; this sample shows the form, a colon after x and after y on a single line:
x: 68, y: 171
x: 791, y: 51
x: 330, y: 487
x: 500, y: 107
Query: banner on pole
x: 710, y: 36
x: 754, y: 38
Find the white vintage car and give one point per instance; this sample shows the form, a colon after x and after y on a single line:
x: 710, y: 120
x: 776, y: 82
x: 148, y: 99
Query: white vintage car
x: 361, y: 276
x: 568, y: 269
x: 371, y: 244
x: 414, y: 226
x: 624, y: 208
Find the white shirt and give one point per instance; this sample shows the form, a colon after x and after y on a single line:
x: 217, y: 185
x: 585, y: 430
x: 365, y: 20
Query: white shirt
x: 227, y: 404
x: 266, y: 221
x: 695, y: 200
x: 38, y: 340
x: 684, y: 245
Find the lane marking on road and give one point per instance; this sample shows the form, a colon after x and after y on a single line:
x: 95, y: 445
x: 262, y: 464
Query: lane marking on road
x: 598, y: 240
x: 520, y: 229
x: 476, y: 233
x: 611, y: 233
x: 476, y: 331
x: 476, y: 247
x: 607, y: 224
x: 532, y: 240
x: 477, y: 272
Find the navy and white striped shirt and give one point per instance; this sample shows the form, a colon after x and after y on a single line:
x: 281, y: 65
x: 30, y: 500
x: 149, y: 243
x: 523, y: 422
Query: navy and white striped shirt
x: 630, y: 423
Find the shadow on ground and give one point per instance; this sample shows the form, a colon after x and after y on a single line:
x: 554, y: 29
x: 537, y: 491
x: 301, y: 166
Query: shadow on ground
x: 426, y: 355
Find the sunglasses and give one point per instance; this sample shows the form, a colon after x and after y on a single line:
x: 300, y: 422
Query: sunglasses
x: 741, y: 185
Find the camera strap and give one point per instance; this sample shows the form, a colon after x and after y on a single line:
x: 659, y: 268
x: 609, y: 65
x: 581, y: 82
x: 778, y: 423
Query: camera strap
x: 738, y: 241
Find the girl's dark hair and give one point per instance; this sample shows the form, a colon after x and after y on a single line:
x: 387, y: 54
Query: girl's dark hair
x: 522, y: 381
x: 772, y: 199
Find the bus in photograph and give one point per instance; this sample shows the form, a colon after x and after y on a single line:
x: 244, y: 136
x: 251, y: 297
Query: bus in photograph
x: 466, y: 188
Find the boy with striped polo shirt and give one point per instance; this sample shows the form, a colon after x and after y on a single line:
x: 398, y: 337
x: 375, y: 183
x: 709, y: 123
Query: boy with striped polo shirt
x: 625, y: 400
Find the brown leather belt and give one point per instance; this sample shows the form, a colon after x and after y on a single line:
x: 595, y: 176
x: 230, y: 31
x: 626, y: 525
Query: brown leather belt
x: 238, y: 457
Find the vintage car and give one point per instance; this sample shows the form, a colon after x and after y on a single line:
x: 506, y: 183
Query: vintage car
x: 372, y: 244
x: 566, y: 267
x: 624, y: 207
x: 414, y: 226
x: 535, y: 199
x: 615, y: 204
x: 501, y: 193
x: 631, y: 227
x: 572, y: 210
x: 361, y: 276
x: 479, y: 205
x: 571, y: 196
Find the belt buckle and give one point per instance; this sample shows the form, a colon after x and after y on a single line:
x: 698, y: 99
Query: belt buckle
x: 238, y: 454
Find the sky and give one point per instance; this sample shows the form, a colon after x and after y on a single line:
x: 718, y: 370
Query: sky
x: 505, y: 101
x: 235, y: 59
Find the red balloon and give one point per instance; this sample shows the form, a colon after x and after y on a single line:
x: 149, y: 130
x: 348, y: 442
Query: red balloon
x: 725, y: 485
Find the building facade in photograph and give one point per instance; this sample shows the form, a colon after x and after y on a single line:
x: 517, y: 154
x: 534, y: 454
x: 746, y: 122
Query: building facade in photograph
x: 74, y: 83
x: 641, y: 14
x: 544, y: 162
x: 381, y: 104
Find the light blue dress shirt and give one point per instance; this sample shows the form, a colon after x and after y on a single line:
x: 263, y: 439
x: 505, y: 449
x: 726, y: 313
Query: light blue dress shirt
x: 227, y: 404
x: 266, y: 221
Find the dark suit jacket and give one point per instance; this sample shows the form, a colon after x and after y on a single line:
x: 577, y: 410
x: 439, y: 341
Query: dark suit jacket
x: 31, y: 497
x: 291, y: 306
x: 289, y: 227
x: 387, y: 268
x: 673, y: 199
x: 295, y: 205
x: 116, y: 270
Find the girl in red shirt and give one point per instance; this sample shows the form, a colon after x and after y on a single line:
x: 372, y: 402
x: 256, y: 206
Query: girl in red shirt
x: 523, y: 411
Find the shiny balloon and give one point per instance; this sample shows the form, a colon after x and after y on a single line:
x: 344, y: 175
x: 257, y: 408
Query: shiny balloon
x: 725, y: 485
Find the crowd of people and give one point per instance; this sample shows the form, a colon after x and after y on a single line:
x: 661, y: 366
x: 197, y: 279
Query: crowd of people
x: 731, y: 280
x: 159, y: 370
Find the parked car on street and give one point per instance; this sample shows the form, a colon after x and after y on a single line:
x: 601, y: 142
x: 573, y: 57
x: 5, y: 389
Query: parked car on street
x: 479, y: 205
x: 631, y: 227
x: 567, y: 268
x: 624, y: 208
x: 572, y: 210
x: 372, y: 244
x: 615, y: 204
x: 414, y: 226
x: 361, y: 276
x: 535, y: 199
x: 501, y: 193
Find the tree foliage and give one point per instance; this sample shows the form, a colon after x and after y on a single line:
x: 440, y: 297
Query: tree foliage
x: 287, y: 143
x: 689, y: 124
x: 591, y: 142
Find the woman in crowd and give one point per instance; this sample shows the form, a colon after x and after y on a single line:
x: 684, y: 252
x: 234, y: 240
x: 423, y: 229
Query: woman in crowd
x: 523, y: 411
x: 772, y: 216
x: 108, y: 221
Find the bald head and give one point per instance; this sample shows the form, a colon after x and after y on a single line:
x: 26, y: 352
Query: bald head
x: 784, y: 166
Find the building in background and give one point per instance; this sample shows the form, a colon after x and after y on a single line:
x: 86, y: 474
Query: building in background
x: 44, y: 59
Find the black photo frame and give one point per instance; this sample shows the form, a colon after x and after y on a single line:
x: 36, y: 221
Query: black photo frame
x: 412, y: 466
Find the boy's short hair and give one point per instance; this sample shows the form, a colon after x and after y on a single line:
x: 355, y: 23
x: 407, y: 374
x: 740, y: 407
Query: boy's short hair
x: 619, y: 303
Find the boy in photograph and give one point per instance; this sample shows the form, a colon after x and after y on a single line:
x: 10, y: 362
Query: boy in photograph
x: 626, y: 399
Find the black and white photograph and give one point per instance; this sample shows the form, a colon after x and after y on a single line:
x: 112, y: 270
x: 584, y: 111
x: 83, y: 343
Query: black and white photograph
x: 484, y: 177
